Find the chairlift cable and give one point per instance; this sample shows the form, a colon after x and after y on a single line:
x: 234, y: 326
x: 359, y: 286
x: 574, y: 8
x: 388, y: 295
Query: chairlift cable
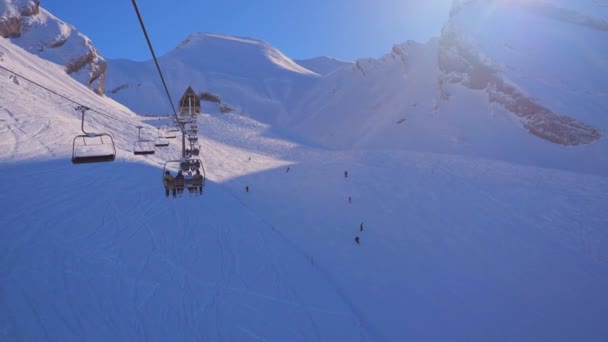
x: 66, y: 98
x: 143, y: 27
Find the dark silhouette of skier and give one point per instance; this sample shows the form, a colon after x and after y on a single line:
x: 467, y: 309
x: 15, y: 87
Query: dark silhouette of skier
x: 169, y: 182
x: 198, y: 180
x: 350, y: 200
x: 179, y: 182
x: 247, y: 188
x: 345, y: 174
x: 287, y: 171
x: 361, y: 227
x: 357, y: 240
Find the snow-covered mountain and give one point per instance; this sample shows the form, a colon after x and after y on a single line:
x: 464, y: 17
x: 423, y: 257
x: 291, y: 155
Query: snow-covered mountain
x: 451, y: 247
x: 246, y: 73
x: 323, y: 65
x: 540, y: 61
x: 38, y: 31
x: 501, y: 73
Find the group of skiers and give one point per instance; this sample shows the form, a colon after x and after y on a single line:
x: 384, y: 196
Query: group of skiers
x: 350, y: 201
x: 177, y: 184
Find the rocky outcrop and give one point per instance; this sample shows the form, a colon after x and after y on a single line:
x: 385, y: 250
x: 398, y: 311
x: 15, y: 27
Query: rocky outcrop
x: 212, y: 98
x: 461, y: 62
x: 36, y: 30
x: 11, y: 14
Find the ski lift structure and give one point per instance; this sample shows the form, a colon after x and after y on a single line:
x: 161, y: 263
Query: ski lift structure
x: 189, y: 107
x: 193, y: 165
x: 170, y: 132
x: 161, y: 140
x: 143, y: 146
x: 91, y: 147
x: 190, y: 103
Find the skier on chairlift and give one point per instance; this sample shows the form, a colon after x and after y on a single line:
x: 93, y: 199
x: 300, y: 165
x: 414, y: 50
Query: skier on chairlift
x: 198, y: 179
x: 169, y: 181
x: 179, y: 182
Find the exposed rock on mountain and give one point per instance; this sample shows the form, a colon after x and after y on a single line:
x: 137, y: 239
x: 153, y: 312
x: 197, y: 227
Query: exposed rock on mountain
x: 36, y: 30
x: 469, y: 55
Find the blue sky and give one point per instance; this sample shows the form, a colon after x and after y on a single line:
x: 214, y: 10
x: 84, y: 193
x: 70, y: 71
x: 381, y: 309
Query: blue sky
x: 346, y: 29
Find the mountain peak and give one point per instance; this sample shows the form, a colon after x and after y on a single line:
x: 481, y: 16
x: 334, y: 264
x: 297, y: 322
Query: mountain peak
x: 243, y: 53
x: 199, y: 38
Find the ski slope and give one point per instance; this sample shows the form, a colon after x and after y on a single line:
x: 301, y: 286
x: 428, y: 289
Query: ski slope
x: 453, y: 247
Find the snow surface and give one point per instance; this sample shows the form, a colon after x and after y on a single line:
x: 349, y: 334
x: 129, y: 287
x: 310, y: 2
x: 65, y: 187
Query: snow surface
x: 323, y: 65
x: 453, y: 247
x: 563, y: 65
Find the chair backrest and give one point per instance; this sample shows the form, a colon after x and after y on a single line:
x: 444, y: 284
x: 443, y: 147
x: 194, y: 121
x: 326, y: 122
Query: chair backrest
x: 179, y: 182
x: 197, y: 181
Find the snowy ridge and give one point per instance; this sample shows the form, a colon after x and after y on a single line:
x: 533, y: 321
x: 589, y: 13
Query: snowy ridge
x: 248, y: 74
x: 223, y: 44
x: 323, y: 65
x: 39, y: 32
x: 518, y: 71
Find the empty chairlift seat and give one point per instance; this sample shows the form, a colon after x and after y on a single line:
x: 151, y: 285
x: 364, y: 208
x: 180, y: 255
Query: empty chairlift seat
x: 143, y: 146
x: 161, y: 140
x: 92, y: 147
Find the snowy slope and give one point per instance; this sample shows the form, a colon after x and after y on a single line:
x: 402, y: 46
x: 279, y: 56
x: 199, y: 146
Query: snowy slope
x: 323, y: 65
x: 38, y: 31
x: 544, y: 62
x: 453, y: 247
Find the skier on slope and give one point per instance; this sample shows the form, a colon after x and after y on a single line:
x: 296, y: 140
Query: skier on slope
x: 169, y: 182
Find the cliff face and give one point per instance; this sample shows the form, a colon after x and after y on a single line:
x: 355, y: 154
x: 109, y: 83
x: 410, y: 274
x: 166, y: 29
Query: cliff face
x: 509, y: 53
x: 34, y: 29
x: 12, y: 13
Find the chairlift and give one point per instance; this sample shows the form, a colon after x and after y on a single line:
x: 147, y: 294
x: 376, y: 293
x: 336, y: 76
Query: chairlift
x: 161, y: 141
x: 93, y: 148
x: 142, y: 146
x: 194, y: 151
x: 170, y: 133
x: 185, y: 165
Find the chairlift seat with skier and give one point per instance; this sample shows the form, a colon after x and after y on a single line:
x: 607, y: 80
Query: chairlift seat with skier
x: 185, y: 165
